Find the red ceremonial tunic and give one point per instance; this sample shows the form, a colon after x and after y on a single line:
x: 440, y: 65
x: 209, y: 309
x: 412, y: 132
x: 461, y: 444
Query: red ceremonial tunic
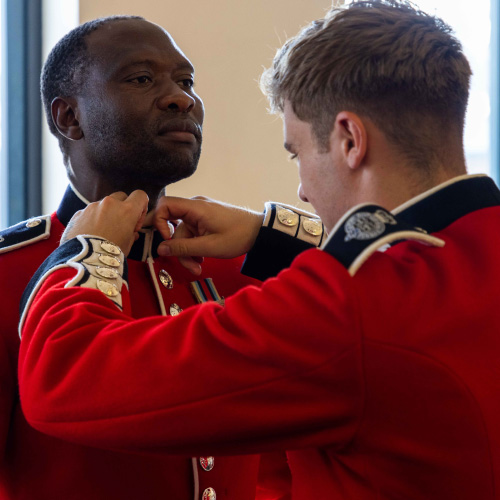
x: 35, y: 466
x: 377, y: 370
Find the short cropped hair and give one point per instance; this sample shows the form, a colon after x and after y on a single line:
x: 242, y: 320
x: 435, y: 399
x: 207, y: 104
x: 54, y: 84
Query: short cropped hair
x: 382, y: 59
x: 64, y: 71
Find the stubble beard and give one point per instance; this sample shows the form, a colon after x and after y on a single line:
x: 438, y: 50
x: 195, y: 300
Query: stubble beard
x: 131, y: 160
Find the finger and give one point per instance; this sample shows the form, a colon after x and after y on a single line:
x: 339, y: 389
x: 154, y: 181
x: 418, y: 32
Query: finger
x: 138, y: 202
x: 149, y: 219
x: 191, y: 264
x: 166, y: 207
x: 200, y: 197
x: 140, y: 222
x: 139, y: 198
x: 119, y: 195
x: 203, y: 246
x: 173, y: 207
x: 165, y: 227
x: 182, y: 231
x: 169, y: 231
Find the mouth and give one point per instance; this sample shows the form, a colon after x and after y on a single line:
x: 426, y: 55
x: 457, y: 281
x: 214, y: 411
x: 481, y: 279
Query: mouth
x: 181, y: 130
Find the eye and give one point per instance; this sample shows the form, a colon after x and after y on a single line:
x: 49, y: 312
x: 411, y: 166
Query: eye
x: 187, y: 82
x: 292, y: 157
x: 141, y: 79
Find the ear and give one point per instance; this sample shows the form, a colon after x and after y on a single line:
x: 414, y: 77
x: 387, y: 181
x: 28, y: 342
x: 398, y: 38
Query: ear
x: 64, y: 115
x: 351, y: 132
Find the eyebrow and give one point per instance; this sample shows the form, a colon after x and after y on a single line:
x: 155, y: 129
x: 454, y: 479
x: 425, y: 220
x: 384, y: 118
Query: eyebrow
x: 288, y: 147
x: 187, y: 66
x: 182, y: 66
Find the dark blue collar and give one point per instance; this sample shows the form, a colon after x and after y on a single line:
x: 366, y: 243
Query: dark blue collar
x: 439, y: 207
x: 71, y: 203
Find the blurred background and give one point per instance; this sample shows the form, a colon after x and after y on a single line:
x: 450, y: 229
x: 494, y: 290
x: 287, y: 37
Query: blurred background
x: 230, y: 43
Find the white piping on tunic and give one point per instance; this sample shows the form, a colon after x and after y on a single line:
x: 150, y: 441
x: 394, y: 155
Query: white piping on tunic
x: 150, y: 261
x: 148, y: 256
x: 194, y: 462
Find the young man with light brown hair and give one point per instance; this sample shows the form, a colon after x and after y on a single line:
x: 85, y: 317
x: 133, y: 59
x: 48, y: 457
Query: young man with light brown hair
x: 373, y: 360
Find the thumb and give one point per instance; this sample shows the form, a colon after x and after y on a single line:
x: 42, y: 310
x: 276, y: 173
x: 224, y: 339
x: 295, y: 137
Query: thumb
x: 172, y: 208
x: 138, y: 201
x: 189, y: 247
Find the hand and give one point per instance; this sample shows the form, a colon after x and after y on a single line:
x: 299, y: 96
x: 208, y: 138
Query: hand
x: 208, y: 229
x: 116, y: 218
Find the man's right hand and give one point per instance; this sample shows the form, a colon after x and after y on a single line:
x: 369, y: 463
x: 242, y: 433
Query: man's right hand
x: 116, y: 217
x: 208, y: 229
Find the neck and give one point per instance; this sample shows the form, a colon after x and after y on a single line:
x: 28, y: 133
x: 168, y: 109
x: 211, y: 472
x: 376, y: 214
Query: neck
x: 95, y: 188
x: 391, y: 187
x: 389, y: 179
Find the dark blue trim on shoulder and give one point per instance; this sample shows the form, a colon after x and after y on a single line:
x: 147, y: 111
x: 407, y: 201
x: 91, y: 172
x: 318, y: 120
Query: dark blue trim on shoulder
x: 440, y: 209
x: 273, y: 250
x: 361, y: 228
x: 58, y: 257
x: 21, y: 232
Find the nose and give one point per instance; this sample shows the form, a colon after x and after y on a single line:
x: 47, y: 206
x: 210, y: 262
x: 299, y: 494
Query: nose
x: 176, y: 99
x: 301, y: 194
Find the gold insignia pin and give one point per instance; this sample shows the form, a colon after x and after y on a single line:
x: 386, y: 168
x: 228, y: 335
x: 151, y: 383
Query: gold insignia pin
x: 109, y: 261
x: 312, y: 226
x: 207, y: 463
x: 107, y: 288
x: 109, y: 247
x: 208, y: 494
x: 166, y: 279
x: 174, y: 309
x: 33, y: 222
x: 287, y: 217
x: 106, y: 272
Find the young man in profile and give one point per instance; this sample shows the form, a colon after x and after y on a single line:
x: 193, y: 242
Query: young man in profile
x: 373, y: 361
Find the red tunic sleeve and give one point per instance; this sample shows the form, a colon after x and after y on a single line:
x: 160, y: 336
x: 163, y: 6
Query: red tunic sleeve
x: 278, y: 367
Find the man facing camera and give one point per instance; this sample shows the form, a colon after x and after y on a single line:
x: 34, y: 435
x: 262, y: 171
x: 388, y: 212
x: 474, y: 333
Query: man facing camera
x: 118, y: 95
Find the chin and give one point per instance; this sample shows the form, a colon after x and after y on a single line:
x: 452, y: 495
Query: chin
x: 172, y: 175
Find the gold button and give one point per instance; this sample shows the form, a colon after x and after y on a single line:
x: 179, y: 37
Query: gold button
x: 109, y: 247
x: 288, y: 217
x: 207, y: 463
x: 209, y: 494
x: 109, y: 261
x: 107, y: 288
x: 175, y: 309
x: 33, y: 222
x: 166, y: 279
x: 106, y: 272
x: 312, y: 226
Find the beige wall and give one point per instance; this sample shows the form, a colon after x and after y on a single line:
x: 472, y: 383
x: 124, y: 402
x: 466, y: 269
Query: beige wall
x: 229, y: 42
